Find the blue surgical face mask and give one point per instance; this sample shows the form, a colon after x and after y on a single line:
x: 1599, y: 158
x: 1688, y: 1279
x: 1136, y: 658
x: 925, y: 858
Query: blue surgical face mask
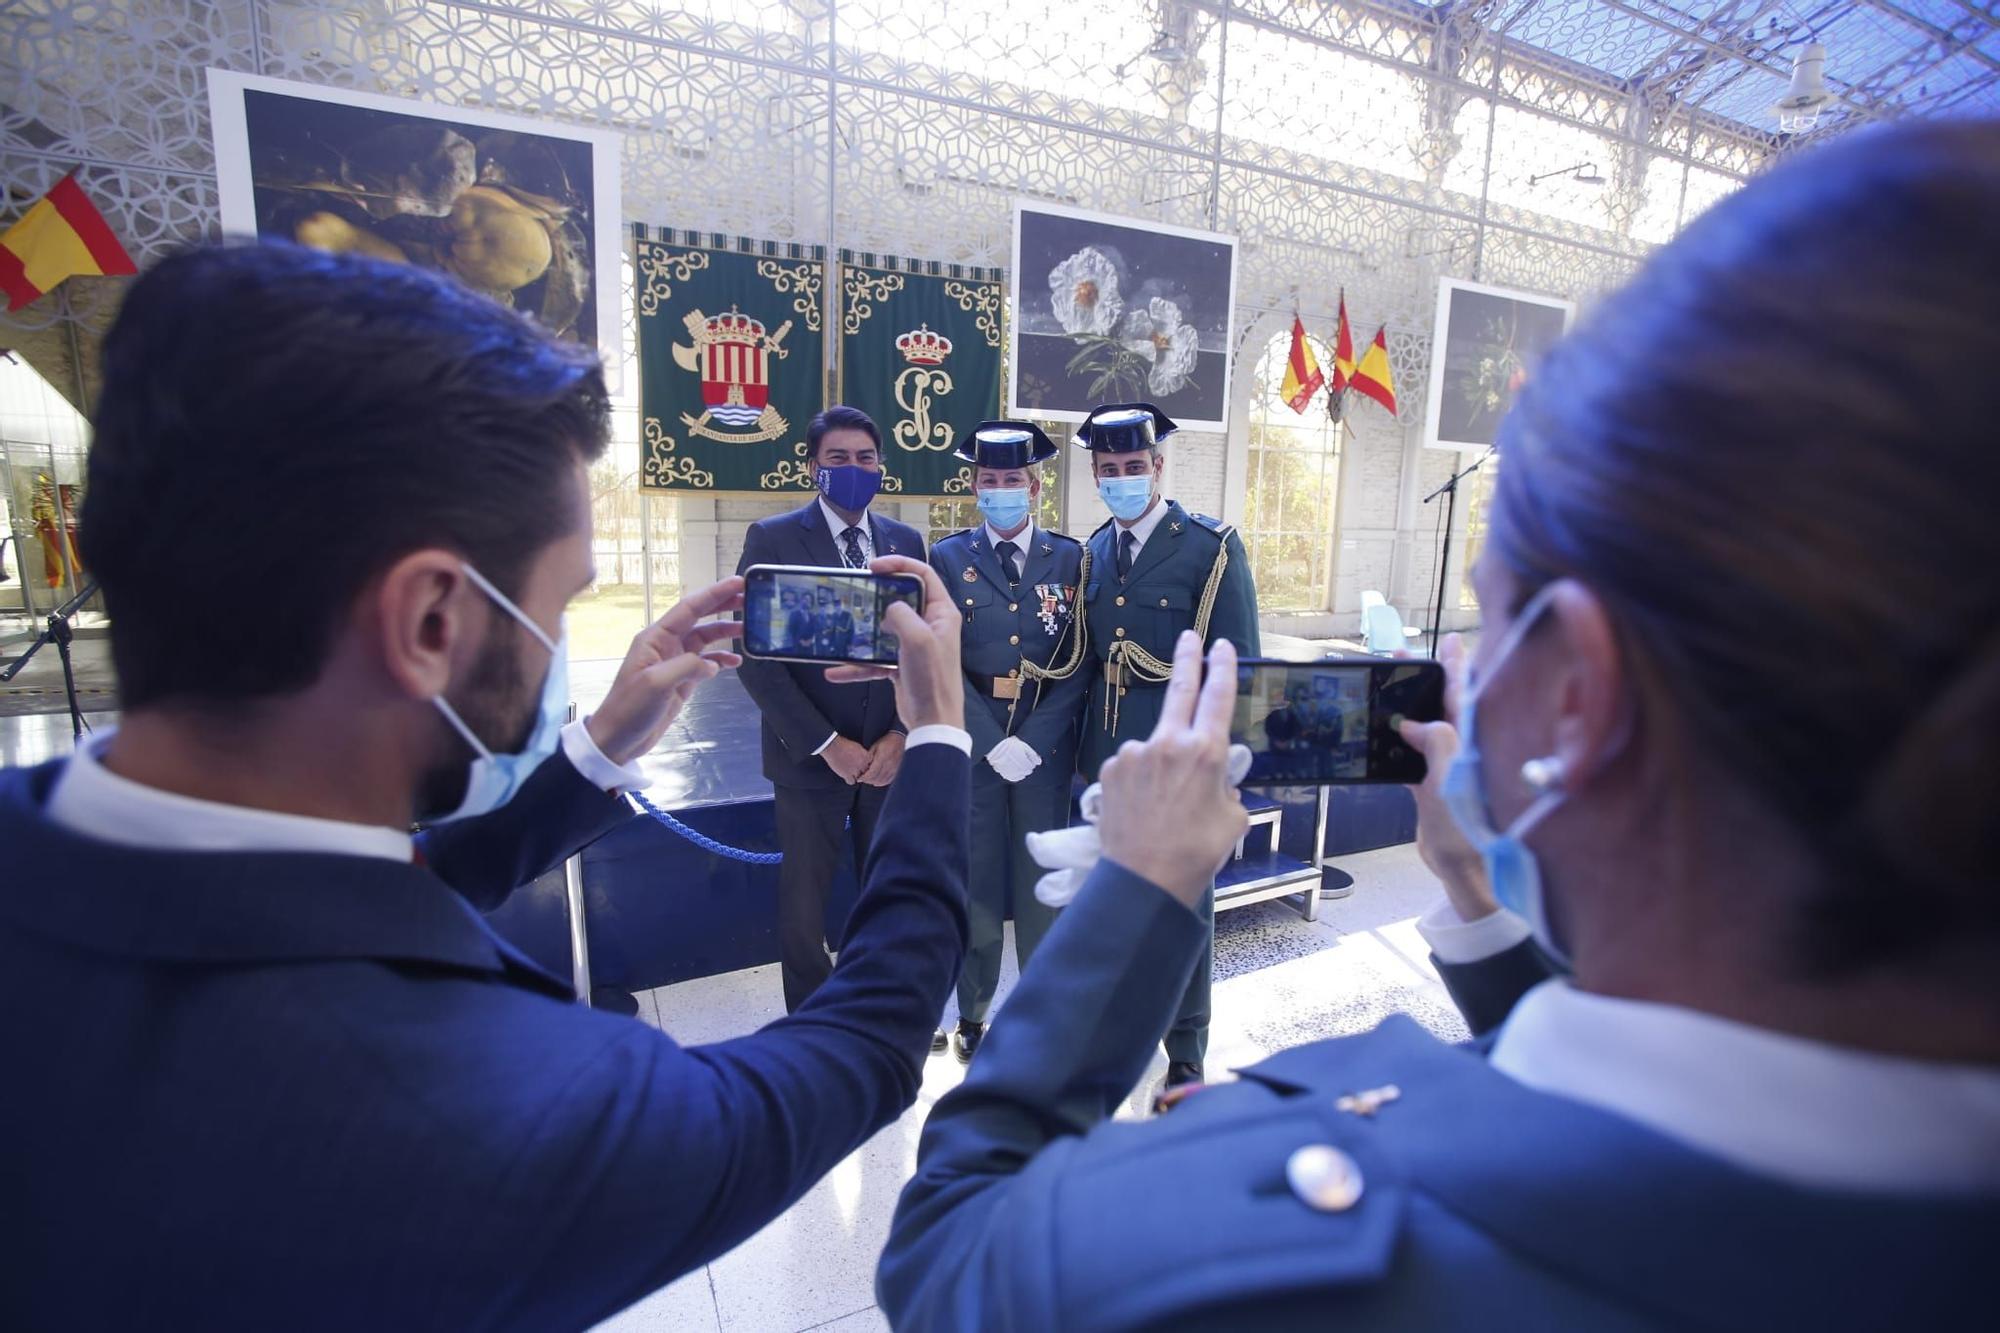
x: 1515, y: 874
x: 1004, y: 506
x: 1126, y: 497
x: 495, y: 778
x: 848, y: 487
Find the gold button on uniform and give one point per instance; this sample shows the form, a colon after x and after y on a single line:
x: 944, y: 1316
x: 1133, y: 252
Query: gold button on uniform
x: 968, y: 601
x: 1163, y: 601
x: 1324, y: 1178
x: 1013, y: 638
x: 1013, y: 606
x: 1121, y: 599
x: 1120, y: 631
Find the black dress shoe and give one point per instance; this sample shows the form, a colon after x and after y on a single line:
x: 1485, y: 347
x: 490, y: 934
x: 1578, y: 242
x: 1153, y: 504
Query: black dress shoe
x: 1182, y: 1071
x: 937, y: 1042
x: 965, y: 1041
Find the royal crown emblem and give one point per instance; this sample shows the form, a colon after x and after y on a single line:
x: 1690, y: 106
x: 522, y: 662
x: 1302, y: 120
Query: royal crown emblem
x: 732, y: 353
x: 921, y: 347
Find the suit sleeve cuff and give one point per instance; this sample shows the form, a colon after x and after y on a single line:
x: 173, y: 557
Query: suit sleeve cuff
x: 941, y: 733
x: 596, y: 769
x: 831, y: 737
x: 1456, y: 940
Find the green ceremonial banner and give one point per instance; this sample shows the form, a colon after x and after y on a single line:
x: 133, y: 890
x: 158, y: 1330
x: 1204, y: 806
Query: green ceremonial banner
x: 920, y: 353
x: 732, y: 357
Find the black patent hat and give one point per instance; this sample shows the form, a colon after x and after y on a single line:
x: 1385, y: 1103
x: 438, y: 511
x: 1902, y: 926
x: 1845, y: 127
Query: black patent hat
x: 1124, y: 428
x: 1006, y: 445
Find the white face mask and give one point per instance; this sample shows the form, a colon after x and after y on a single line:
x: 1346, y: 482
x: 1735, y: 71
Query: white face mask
x: 494, y: 779
x: 1511, y: 866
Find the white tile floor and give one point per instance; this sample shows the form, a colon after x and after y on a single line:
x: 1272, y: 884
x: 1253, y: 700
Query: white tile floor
x: 1279, y: 980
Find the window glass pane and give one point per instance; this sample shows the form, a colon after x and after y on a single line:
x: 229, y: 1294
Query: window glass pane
x: 1289, y: 505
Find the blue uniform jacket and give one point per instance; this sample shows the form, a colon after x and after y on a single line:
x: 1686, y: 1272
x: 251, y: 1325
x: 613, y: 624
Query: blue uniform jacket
x: 268, y: 1091
x: 1485, y: 1204
x: 1004, y: 625
x: 800, y: 707
x: 1151, y: 607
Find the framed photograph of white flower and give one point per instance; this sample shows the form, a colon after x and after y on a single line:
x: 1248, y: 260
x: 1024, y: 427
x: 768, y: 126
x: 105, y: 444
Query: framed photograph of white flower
x: 1485, y: 344
x: 1116, y: 310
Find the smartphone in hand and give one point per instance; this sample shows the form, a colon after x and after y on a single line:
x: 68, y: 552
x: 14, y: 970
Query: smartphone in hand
x: 1333, y: 722
x: 800, y: 613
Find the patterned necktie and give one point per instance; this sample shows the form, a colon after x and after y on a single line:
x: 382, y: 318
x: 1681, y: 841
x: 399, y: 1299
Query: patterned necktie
x: 1010, y: 560
x: 1128, y: 546
x: 854, y: 558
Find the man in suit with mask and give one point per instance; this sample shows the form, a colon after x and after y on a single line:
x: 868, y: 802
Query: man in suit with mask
x: 830, y: 750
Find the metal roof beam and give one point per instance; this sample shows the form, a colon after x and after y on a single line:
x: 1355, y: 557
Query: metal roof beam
x: 1943, y: 37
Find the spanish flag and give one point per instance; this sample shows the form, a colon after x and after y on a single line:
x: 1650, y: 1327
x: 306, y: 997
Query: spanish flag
x: 1373, y: 376
x: 1302, y: 373
x: 61, y: 236
x: 1343, y: 350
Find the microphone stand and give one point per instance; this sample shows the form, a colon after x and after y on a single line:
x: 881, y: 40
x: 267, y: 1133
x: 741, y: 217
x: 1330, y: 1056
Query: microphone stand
x: 59, y: 632
x: 1450, y: 492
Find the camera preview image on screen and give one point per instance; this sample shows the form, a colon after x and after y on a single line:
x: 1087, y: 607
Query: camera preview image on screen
x: 826, y: 617
x: 1312, y: 723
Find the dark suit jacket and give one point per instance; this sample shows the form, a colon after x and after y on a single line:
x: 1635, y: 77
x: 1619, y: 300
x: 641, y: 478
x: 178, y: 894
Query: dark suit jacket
x: 1484, y: 1203
x: 316, y: 1092
x: 799, y: 705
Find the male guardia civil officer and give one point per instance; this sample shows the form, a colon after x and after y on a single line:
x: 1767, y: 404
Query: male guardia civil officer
x: 1016, y: 585
x: 267, y: 1066
x: 830, y: 750
x: 1155, y: 570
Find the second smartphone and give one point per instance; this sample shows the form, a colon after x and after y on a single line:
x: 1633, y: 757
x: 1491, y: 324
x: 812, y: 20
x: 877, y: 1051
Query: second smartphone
x: 1333, y: 722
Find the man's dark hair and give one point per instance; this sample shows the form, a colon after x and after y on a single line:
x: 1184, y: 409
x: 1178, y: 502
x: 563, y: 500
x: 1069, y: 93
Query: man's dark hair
x: 277, y: 426
x: 839, y: 417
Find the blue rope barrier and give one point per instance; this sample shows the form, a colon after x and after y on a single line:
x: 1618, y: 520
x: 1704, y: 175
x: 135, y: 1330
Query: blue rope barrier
x: 703, y: 841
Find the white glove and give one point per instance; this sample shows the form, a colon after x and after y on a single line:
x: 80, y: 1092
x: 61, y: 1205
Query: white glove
x: 1013, y: 759
x: 1070, y: 854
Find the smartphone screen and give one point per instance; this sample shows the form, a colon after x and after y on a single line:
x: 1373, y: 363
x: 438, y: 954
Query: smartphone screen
x: 795, y: 613
x: 1327, y: 723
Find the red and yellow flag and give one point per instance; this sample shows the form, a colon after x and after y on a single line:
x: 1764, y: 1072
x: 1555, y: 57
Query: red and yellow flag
x: 1302, y: 373
x: 1373, y: 376
x: 1343, y: 350
x: 61, y: 236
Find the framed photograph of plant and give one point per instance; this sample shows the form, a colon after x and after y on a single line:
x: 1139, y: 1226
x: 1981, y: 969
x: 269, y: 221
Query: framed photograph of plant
x: 1485, y: 345
x: 523, y: 210
x: 1116, y: 310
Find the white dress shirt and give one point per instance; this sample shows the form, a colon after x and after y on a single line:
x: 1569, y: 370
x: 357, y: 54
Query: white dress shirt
x: 1808, y: 1112
x: 1143, y: 527
x: 1022, y: 539
x: 838, y: 526
x: 92, y: 800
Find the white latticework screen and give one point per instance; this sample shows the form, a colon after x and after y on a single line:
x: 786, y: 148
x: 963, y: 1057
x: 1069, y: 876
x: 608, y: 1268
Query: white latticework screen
x: 1368, y: 145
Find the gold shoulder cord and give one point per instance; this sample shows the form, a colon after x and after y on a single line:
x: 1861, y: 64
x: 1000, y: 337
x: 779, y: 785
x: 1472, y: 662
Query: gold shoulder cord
x: 1078, y: 618
x: 1131, y: 661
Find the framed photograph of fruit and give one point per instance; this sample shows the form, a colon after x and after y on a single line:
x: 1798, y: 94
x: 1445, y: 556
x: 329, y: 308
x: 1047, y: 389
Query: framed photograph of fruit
x: 1485, y: 344
x: 1119, y: 310
x: 523, y: 210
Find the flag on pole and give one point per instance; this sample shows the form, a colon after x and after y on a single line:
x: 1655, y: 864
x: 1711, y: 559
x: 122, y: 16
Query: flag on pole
x: 1303, y: 376
x: 61, y: 236
x: 1373, y: 376
x: 1343, y: 350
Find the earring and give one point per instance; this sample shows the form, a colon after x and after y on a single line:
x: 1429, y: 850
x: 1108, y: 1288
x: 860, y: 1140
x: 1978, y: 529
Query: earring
x: 1544, y: 774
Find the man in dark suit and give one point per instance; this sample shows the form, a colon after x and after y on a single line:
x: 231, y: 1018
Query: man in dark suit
x: 266, y: 1063
x: 830, y: 750
x: 801, y: 627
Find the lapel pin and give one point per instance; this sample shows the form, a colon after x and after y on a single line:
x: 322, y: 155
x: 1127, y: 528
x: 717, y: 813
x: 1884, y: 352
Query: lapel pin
x: 1174, y: 526
x: 969, y: 576
x: 1369, y: 1102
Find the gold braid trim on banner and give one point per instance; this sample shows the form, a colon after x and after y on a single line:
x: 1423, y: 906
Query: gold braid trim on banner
x: 1130, y: 661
